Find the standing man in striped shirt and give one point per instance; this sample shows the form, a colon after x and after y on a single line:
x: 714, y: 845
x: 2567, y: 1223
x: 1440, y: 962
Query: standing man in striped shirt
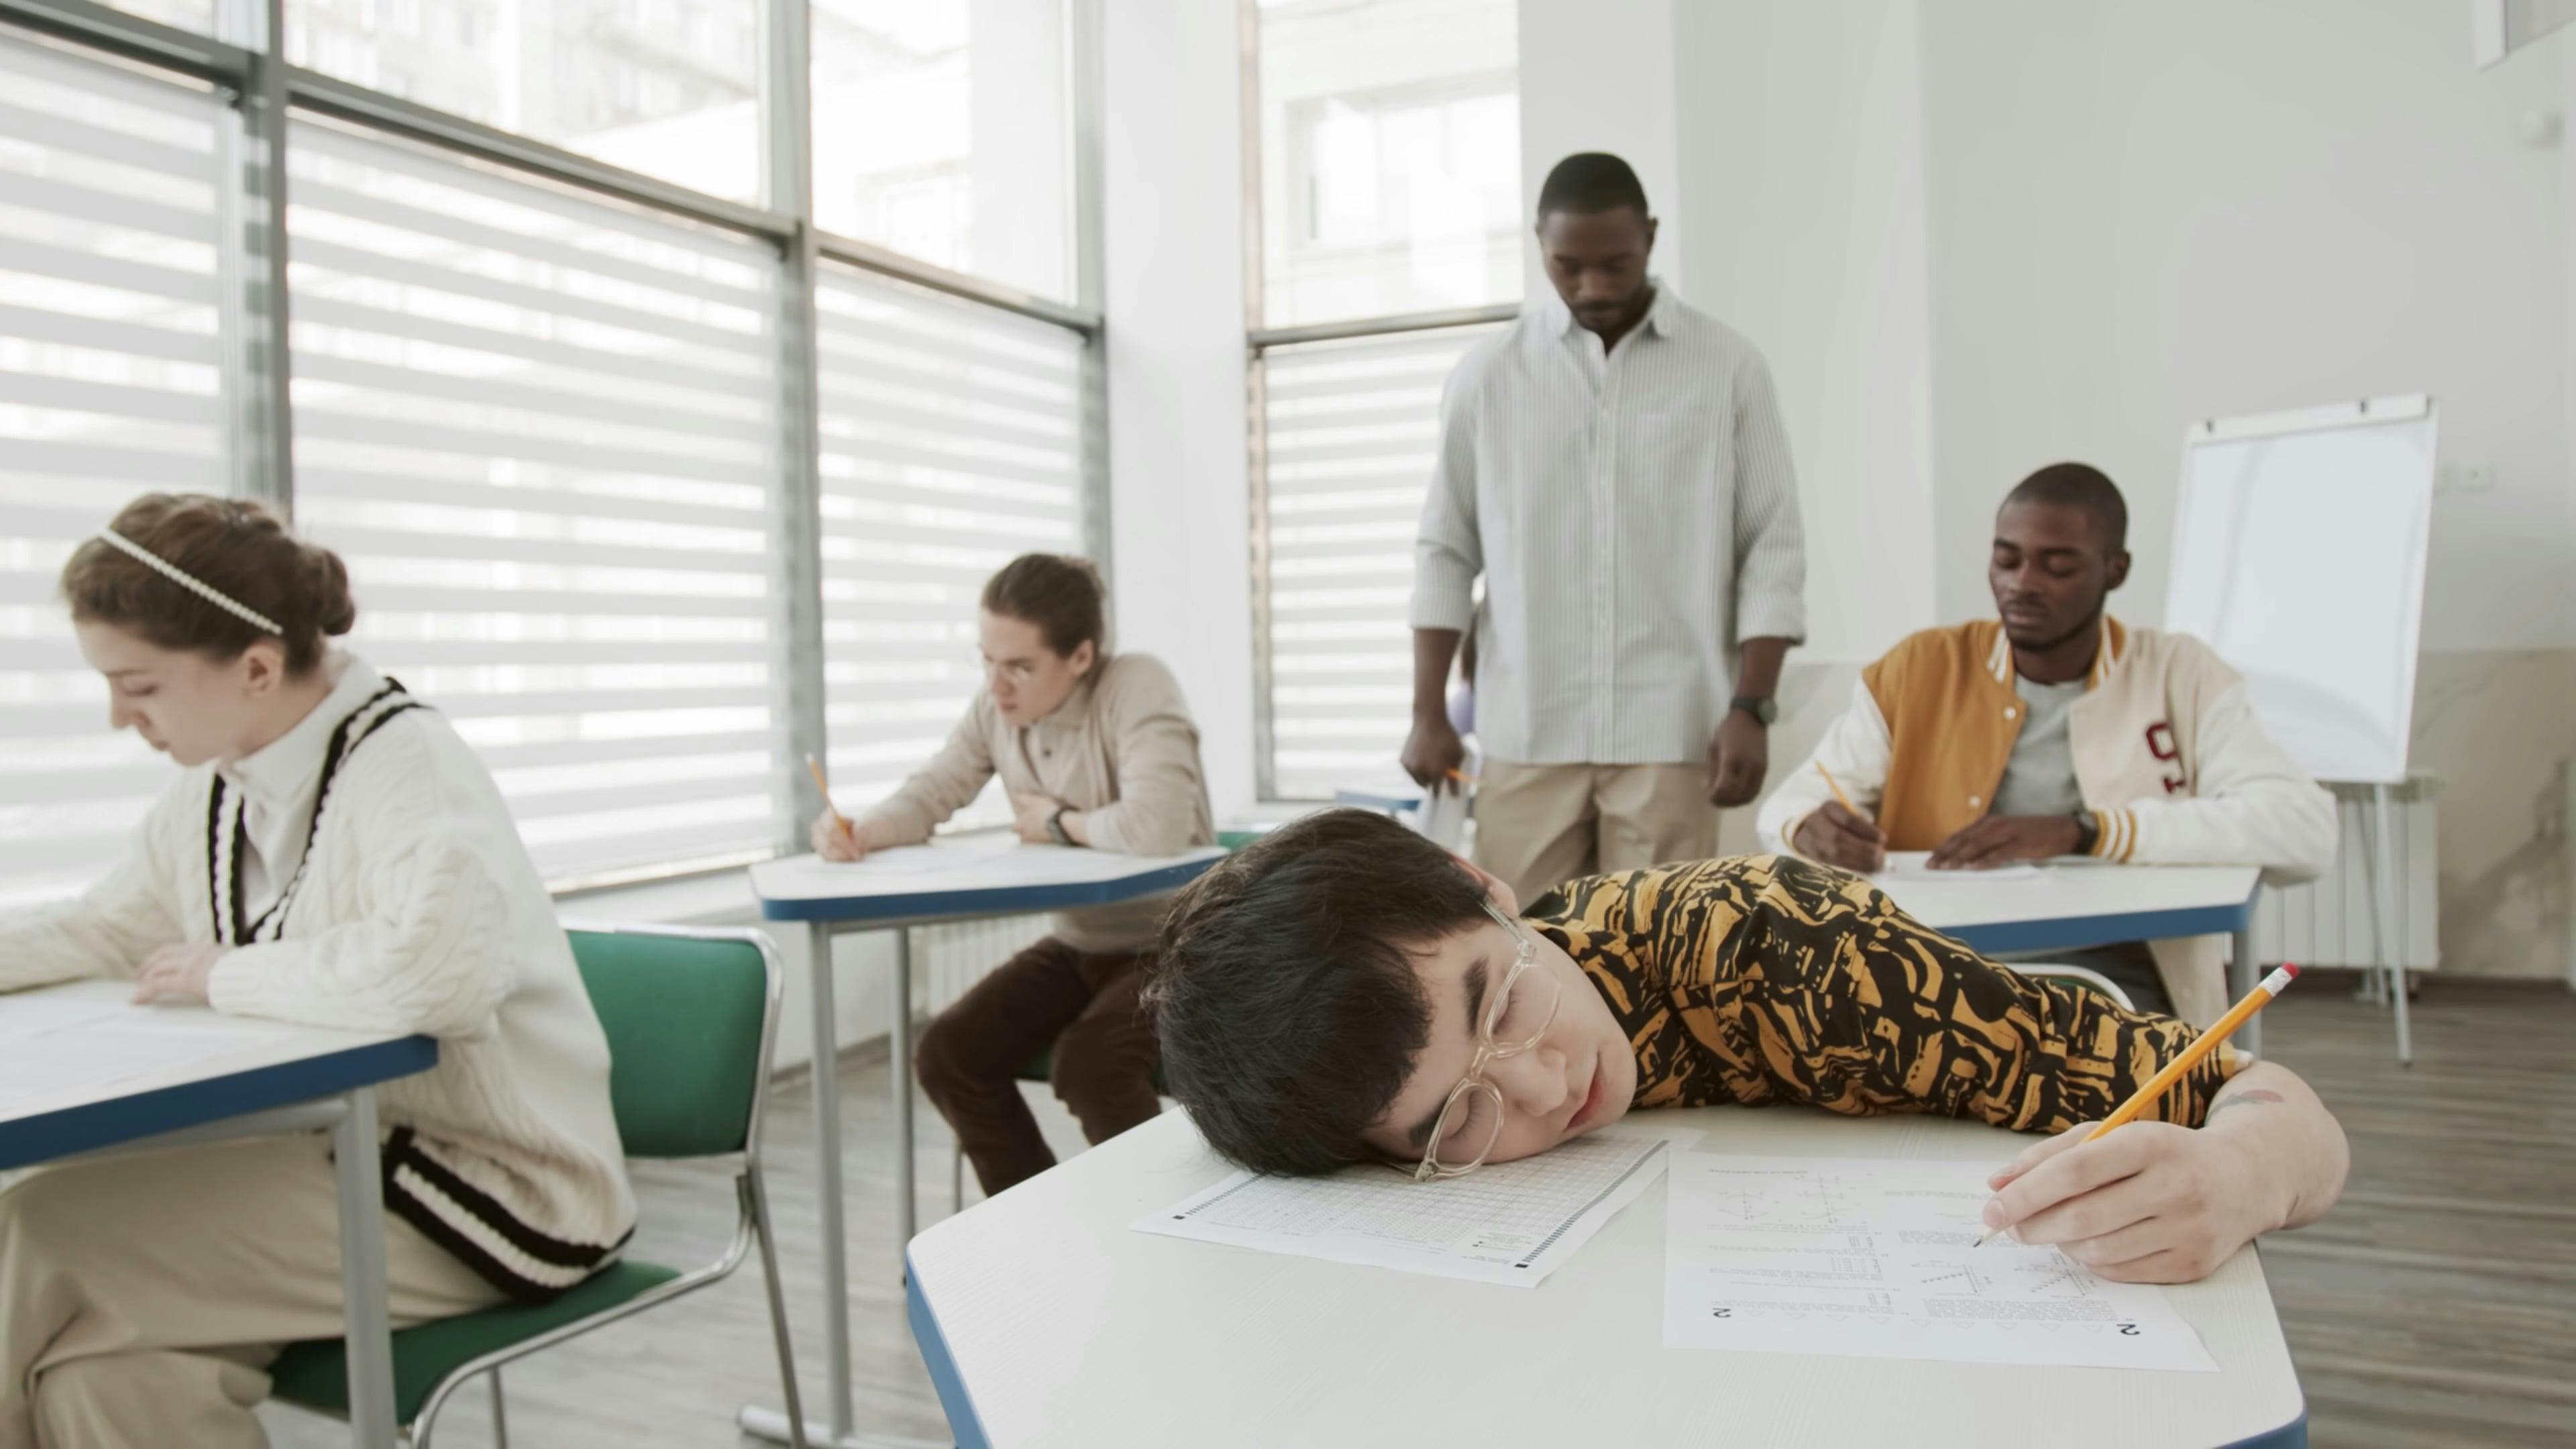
x: 1615, y: 468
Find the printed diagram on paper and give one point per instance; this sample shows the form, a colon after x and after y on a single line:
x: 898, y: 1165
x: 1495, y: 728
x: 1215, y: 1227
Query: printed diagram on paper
x: 1878, y: 1259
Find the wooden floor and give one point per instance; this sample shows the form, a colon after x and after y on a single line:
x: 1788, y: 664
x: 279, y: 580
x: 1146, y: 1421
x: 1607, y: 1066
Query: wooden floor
x: 2435, y: 1307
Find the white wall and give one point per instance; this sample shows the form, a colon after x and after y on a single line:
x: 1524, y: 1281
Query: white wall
x: 1592, y: 80
x: 1803, y: 192
x: 1172, y: 176
x: 2146, y: 214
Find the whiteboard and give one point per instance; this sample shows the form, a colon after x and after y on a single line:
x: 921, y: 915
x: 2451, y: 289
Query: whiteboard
x: 2299, y: 556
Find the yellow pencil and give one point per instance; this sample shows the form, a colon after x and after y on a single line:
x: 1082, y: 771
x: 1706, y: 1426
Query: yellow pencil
x: 1836, y: 786
x: 2157, y: 1085
x: 815, y: 767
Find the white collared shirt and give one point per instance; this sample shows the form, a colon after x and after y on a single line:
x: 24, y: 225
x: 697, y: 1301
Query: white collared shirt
x: 1634, y: 516
x: 280, y: 783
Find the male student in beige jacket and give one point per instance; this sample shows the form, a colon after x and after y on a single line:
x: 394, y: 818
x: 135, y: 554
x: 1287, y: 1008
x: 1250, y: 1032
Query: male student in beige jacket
x: 2059, y: 731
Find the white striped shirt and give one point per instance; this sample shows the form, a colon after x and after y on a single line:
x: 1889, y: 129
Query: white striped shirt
x: 1635, y: 518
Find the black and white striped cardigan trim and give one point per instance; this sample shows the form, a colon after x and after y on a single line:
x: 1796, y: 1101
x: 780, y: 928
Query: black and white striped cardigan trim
x: 483, y: 1234
x: 227, y: 836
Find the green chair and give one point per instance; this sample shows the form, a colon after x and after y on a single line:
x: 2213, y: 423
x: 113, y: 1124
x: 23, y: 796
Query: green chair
x: 689, y: 1016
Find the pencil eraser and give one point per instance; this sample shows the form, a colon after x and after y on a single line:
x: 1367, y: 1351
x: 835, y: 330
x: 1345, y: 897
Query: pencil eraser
x: 2289, y: 970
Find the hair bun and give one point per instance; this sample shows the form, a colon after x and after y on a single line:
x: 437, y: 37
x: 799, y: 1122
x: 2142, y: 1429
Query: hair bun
x: 335, y: 609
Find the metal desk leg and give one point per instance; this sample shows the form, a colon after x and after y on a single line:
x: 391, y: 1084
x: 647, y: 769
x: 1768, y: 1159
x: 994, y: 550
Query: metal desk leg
x: 2242, y: 972
x: 368, y: 1322
x: 899, y: 1036
x: 2383, y: 908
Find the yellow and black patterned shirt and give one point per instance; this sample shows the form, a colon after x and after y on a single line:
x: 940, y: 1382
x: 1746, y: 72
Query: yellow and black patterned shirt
x: 1764, y: 978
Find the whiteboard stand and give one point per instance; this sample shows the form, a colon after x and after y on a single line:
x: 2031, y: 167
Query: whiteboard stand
x: 2299, y: 554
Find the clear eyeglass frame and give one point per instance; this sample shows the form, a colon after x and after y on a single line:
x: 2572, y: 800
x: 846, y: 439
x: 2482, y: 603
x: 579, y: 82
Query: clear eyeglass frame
x: 1488, y: 1051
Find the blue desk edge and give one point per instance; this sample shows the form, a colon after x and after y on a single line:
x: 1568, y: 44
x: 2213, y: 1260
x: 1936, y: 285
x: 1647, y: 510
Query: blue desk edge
x: 2074, y: 932
x: 963, y: 1424
x: 49, y: 1135
x: 996, y: 900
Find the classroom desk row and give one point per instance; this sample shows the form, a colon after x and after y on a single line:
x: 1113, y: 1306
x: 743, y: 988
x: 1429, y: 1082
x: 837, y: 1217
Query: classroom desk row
x: 1045, y: 1321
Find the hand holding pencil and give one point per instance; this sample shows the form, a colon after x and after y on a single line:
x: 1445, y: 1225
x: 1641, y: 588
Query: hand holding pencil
x: 1839, y: 834
x: 834, y: 838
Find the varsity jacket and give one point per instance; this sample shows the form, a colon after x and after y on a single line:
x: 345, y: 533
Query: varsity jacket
x: 2168, y: 756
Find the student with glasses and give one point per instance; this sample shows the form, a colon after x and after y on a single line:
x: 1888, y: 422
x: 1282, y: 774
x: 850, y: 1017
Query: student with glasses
x: 1344, y: 991
x: 1096, y: 751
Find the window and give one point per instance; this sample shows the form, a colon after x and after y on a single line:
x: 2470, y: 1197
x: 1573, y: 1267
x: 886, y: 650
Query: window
x: 1390, y: 157
x: 542, y: 430
x: 952, y: 442
x: 110, y: 369
x: 671, y: 89
x: 1351, y: 429
x: 1390, y: 185
x: 942, y: 130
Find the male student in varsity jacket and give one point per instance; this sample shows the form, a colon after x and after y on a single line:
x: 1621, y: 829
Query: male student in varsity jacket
x: 2058, y: 731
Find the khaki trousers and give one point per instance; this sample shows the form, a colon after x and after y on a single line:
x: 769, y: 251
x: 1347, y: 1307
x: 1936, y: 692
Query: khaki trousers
x: 142, y: 1297
x: 1538, y: 826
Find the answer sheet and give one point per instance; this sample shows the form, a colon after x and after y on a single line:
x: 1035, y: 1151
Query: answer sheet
x: 1876, y: 1258
x: 88, y: 1035
x: 1514, y: 1222
x: 1912, y: 866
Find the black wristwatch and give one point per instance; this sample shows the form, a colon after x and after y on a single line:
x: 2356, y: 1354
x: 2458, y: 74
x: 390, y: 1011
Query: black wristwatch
x: 1763, y: 710
x: 2087, y: 833
x: 1055, y: 826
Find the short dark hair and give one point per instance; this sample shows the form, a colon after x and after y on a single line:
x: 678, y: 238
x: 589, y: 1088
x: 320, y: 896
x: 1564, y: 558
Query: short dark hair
x: 1060, y: 594
x: 232, y: 545
x: 1589, y: 182
x: 1284, y: 991
x: 2079, y: 485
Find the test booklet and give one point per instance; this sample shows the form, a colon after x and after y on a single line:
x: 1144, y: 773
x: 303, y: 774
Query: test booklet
x: 1914, y: 867
x: 1512, y: 1222
x: 1872, y: 1258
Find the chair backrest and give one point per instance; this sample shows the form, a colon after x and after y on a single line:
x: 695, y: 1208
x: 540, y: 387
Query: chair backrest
x: 688, y: 1017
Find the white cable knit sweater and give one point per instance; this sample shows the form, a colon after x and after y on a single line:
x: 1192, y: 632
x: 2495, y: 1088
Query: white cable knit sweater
x: 417, y: 910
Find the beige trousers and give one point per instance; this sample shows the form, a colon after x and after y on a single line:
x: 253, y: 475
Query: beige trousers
x: 142, y: 1297
x: 1538, y: 826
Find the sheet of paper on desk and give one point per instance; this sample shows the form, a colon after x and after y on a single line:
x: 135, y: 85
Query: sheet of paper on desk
x: 91, y: 1034
x: 1514, y: 1222
x: 1877, y: 1258
x: 1912, y: 866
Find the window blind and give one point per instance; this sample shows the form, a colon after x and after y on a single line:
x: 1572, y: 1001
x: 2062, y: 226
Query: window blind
x: 110, y: 368
x: 951, y: 443
x: 542, y: 430
x: 1349, y: 431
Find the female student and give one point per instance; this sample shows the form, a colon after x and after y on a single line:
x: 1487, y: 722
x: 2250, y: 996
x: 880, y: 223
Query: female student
x: 331, y: 854
x: 1095, y: 750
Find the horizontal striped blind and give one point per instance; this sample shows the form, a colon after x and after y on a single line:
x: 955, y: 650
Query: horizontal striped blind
x: 109, y: 387
x: 1350, y: 429
x: 542, y: 430
x: 951, y: 443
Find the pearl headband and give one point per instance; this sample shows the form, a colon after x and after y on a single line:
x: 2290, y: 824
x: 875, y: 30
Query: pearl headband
x: 192, y: 583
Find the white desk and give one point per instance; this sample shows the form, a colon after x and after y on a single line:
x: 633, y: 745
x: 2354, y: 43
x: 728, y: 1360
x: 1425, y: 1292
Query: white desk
x: 959, y: 880
x: 1047, y: 1321
x: 227, y: 1077
x: 2070, y: 905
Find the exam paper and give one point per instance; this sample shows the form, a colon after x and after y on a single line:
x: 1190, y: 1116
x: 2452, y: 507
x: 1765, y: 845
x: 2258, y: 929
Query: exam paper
x: 88, y: 1036
x: 1868, y: 1258
x: 1912, y: 867
x: 1514, y: 1222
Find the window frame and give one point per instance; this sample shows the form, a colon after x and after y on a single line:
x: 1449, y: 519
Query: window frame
x: 245, y: 59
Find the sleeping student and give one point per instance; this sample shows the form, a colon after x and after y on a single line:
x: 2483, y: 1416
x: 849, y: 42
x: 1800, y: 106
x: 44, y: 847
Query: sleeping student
x: 1344, y: 991
x: 330, y: 854
x: 1096, y: 750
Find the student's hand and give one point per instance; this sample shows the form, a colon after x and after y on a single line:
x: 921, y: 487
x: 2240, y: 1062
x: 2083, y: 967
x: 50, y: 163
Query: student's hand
x: 176, y: 973
x: 2003, y: 839
x: 1033, y: 812
x: 1836, y: 836
x: 2151, y: 1203
x: 1433, y: 751
x: 834, y: 841
x: 1739, y: 755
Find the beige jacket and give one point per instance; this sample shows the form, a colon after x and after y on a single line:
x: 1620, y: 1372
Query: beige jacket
x: 2171, y: 761
x: 1121, y: 749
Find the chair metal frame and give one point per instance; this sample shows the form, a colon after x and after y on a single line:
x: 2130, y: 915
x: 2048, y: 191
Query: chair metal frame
x: 2085, y: 974
x: 752, y: 1228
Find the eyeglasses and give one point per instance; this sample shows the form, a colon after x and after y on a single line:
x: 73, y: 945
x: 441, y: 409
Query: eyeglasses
x: 1517, y: 1014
